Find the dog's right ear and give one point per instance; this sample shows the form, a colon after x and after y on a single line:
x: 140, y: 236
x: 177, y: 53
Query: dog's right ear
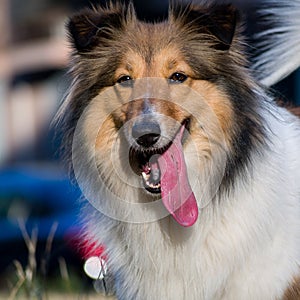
x: 88, y: 27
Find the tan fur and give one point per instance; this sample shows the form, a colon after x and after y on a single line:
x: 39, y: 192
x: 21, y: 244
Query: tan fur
x: 199, y: 100
x: 219, y: 103
x: 163, y: 65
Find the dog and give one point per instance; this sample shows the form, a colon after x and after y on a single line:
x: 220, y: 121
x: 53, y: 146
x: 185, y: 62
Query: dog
x: 189, y: 170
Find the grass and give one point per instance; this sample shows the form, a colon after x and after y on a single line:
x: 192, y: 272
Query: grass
x: 30, y: 282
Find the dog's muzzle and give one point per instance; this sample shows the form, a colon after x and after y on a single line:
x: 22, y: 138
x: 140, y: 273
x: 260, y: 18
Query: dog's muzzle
x: 146, y: 132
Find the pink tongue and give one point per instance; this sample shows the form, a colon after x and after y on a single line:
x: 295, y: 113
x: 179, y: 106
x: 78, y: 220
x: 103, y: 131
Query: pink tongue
x: 177, y: 195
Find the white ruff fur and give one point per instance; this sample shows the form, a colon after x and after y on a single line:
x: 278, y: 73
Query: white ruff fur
x: 245, y: 245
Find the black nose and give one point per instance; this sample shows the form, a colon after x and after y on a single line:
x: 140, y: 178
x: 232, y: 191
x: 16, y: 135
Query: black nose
x: 146, y: 133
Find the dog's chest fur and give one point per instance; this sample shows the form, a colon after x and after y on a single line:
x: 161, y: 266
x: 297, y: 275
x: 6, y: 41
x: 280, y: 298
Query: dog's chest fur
x: 246, y: 247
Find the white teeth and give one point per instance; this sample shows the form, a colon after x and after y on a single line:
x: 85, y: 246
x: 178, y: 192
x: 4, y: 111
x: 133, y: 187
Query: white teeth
x: 150, y: 176
x: 146, y: 176
x: 156, y: 186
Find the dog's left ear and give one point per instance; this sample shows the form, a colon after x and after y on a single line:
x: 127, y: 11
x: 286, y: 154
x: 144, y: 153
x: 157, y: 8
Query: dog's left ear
x: 218, y: 20
x: 222, y: 23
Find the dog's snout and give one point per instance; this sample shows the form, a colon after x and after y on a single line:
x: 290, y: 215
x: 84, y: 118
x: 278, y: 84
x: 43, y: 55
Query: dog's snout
x: 146, y: 133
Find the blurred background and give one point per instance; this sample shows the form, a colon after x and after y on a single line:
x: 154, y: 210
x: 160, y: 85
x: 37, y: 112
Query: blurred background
x: 38, y: 208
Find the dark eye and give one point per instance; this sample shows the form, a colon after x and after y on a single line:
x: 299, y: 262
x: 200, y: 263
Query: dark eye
x: 177, y: 78
x: 125, y: 80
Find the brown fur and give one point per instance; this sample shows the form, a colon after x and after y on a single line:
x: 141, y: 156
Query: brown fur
x: 290, y: 106
x: 293, y: 291
x: 220, y: 105
x: 295, y: 110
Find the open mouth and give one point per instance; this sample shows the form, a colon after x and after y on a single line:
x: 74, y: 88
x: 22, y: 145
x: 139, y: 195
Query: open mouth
x: 164, y: 171
x: 148, y: 168
x: 151, y: 177
x: 146, y: 162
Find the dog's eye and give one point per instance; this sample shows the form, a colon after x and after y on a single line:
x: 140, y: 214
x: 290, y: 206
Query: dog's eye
x: 177, y: 78
x: 125, y: 80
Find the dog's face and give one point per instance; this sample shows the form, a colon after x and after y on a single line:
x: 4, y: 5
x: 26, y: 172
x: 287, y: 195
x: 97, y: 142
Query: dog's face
x: 158, y: 99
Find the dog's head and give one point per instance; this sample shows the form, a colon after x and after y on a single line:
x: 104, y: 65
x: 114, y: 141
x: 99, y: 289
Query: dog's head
x: 161, y: 102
